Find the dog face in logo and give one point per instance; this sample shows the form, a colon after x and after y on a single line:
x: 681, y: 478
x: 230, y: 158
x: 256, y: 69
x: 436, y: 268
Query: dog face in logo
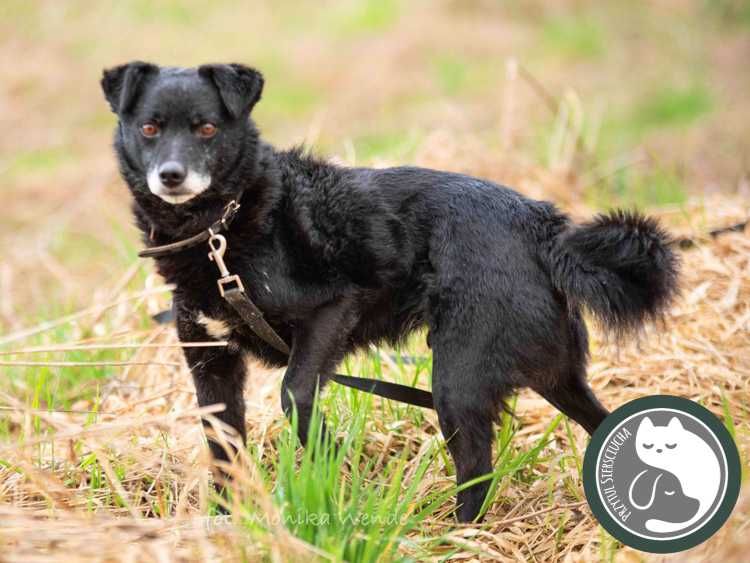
x: 661, y: 494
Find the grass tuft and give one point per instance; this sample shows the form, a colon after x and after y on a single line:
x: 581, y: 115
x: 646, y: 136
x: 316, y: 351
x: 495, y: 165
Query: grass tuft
x: 343, y: 501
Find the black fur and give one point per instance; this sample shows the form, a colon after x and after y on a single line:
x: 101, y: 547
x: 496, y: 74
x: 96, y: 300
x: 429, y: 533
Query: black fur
x: 339, y: 258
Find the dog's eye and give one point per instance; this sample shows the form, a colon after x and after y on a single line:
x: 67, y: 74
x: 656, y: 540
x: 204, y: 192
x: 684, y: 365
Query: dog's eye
x: 149, y: 130
x: 648, y: 446
x: 207, y: 130
x: 671, y: 446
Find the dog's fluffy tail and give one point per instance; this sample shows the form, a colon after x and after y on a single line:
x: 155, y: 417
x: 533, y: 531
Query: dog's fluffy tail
x: 620, y: 266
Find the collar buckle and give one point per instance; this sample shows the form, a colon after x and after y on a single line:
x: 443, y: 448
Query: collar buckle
x: 229, y: 212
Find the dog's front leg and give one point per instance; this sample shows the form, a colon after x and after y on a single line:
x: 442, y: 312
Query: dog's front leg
x: 320, y: 342
x: 219, y: 377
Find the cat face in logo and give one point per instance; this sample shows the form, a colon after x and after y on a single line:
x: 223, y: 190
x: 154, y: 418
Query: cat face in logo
x: 658, y: 445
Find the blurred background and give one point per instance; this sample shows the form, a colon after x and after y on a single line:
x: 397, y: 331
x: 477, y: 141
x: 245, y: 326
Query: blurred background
x: 596, y: 103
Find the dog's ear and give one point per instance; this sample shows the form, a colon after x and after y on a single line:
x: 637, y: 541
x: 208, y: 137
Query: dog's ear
x: 122, y: 84
x: 643, y: 491
x: 239, y: 86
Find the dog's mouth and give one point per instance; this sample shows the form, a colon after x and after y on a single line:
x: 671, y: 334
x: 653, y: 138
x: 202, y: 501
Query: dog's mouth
x: 193, y: 185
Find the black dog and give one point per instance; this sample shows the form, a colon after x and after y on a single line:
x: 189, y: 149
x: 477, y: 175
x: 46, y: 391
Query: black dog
x: 338, y: 258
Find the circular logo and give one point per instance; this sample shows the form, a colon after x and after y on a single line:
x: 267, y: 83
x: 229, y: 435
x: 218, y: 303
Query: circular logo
x: 661, y: 474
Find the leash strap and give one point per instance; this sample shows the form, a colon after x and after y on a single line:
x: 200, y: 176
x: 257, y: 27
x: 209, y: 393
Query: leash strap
x: 232, y: 290
x: 713, y: 234
x: 253, y: 318
x: 387, y: 390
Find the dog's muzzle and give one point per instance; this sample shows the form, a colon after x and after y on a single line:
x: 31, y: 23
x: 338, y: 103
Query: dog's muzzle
x: 174, y: 184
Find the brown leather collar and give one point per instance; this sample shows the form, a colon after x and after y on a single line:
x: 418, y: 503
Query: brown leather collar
x: 230, y: 210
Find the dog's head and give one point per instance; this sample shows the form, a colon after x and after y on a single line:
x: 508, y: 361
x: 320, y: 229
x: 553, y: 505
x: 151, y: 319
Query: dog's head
x: 181, y: 130
x: 660, y: 493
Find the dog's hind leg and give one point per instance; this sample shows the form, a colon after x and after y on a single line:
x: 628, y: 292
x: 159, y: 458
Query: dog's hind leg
x: 318, y: 345
x: 574, y: 398
x: 466, y: 413
x: 563, y: 381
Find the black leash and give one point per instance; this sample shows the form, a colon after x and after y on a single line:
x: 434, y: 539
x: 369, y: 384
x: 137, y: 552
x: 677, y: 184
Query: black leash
x: 688, y: 243
x: 232, y: 290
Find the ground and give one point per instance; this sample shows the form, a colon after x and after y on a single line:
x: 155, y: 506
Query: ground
x: 588, y: 104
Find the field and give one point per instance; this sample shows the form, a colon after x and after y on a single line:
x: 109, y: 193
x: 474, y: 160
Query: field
x: 589, y: 104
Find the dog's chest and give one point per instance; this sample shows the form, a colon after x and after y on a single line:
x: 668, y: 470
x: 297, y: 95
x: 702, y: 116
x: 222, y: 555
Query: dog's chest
x: 270, y: 281
x: 263, y: 285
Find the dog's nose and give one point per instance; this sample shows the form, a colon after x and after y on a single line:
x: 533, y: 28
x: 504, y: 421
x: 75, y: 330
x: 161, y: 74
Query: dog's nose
x: 658, y: 450
x: 172, y: 174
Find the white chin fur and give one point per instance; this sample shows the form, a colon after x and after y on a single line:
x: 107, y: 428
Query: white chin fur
x: 175, y: 199
x: 194, y: 184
